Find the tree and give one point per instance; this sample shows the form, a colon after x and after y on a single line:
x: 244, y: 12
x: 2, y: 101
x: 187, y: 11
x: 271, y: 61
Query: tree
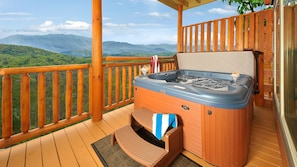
x: 246, y: 6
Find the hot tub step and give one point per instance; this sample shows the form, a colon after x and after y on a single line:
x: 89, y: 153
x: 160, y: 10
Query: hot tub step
x: 138, y: 149
x: 143, y: 151
x: 143, y: 116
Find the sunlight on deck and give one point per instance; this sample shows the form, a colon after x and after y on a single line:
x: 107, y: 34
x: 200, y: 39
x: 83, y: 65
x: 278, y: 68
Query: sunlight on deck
x: 71, y: 146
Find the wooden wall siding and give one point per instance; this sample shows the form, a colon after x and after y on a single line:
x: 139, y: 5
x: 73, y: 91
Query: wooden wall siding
x: 249, y: 31
x: 120, y: 73
x: 41, y: 125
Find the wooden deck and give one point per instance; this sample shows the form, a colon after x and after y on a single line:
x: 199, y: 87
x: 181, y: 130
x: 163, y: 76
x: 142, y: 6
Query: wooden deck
x: 71, y: 146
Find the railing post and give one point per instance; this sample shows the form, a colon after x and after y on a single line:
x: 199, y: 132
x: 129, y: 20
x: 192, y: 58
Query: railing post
x: 41, y: 99
x: 25, y: 103
x: 97, y: 83
x: 6, y: 107
x: 56, y: 96
x: 180, y: 29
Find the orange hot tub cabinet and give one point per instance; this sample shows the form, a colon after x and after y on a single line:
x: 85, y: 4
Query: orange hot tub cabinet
x: 220, y: 136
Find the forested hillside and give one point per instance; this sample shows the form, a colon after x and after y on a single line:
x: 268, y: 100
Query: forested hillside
x: 24, y: 56
x: 80, y: 46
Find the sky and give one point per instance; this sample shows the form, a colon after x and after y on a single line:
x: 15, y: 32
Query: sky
x: 132, y: 21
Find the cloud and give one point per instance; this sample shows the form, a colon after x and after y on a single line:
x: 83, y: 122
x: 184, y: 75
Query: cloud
x: 75, y: 25
x: 157, y: 14
x: 49, y: 26
x: 106, y: 18
x: 12, y: 16
x: 15, y: 14
x: 227, y: 10
x: 199, y: 13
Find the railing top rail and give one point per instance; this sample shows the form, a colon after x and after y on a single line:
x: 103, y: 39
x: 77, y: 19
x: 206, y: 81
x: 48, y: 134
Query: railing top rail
x: 35, y: 69
x: 118, y: 58
x: 225, y: 18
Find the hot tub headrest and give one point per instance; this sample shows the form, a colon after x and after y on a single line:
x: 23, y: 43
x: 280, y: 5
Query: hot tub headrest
x: 240, y: 61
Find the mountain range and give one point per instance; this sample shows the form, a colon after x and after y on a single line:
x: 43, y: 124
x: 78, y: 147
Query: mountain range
x: 81, y: 46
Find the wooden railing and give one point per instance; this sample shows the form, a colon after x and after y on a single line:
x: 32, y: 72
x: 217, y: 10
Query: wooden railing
x: 249, y: 31
x: 121, y: 71
x: 38, y: 100
x: 41, y: 107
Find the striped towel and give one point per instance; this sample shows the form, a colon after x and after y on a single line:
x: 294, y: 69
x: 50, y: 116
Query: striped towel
x: 161, y: 122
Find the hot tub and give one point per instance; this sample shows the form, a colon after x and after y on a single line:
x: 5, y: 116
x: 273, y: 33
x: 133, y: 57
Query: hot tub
x: 215, y: 111
x: 203, y: 87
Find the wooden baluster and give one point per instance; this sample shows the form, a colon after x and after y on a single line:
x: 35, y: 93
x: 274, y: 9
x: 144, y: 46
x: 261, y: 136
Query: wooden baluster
x: 208, y: 36
x: 109, y: 86
x: 56, y: 96
x: 251, y: 42
x: 130, y: 82
x: 202, y: 38
x: 117, y: 70
x: 239, y: 32
x: 231, y: 34
x: 80, y: 91
x: 215, y: 36
x: 6, y: 106
x: 41, y: 100
x: 91, y: 90
x: 68, y: 94
x: 25, y: 103
x: 223, y: 35
x: 124, y: 83
x: 186, y: 39
x: 246, y: 31
x: 196, y: 38
x: 191, y: 39
x: 135, y: 71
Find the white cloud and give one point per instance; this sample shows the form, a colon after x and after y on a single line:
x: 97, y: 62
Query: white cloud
x: 106, y: 18
x: 15, y: 14
x: 199, y: 13
x: 49, y: 26
x: 74, y: 25
x: 157, y: 14
x: 227, y: 10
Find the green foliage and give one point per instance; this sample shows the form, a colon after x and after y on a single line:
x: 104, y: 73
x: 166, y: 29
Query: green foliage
x: 24, y: 56
x: 245, y: 6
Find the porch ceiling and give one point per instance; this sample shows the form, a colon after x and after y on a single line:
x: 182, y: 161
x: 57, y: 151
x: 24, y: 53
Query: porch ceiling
x: 187, y: 4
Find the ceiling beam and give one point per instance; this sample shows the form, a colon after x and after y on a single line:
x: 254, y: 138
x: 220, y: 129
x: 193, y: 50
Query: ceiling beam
x: 182, y: 2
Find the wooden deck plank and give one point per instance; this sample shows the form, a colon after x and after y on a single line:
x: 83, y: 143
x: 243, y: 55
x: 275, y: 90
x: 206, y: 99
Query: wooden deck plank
x: 272, y: 152
x: 96, y: 131
x: 33, y: 153
x: 265, y: 157
x: 65, y: 152
x: 4, y: 156
x: 107, y: 129
x: 73, y: 144
x: 88, y: 138
x: 49, y: 152
x: 80, y: 150
x: 112, y: 122
x: 17, y: 155
x: 117, y: 116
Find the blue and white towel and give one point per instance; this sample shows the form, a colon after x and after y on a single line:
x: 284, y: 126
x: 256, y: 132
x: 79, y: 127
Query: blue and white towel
x: 161, y: 122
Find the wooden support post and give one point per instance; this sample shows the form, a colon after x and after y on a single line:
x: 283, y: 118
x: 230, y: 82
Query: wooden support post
x: 180, y: 29
x: 97, y: 69
x: 259, y: 97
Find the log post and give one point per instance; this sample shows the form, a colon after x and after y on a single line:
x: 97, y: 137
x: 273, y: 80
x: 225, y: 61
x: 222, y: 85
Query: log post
x: 97, y: 69
x: 180, y: 29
